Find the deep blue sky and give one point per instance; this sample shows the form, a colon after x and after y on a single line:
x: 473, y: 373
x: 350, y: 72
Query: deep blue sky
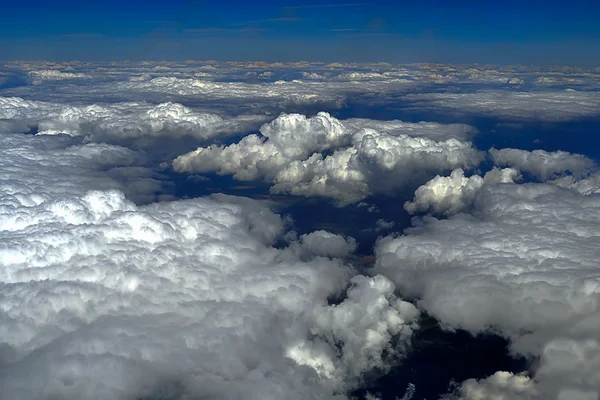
x: 459, y: 31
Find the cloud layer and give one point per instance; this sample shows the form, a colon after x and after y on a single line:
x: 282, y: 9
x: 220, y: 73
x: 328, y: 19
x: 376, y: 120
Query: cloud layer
x: 106, y: 296
x: 105, y: 299
x: 523, y: 264
x: 117, y: 122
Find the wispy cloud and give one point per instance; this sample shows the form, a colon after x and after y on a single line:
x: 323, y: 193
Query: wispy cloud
x: 344, y: 29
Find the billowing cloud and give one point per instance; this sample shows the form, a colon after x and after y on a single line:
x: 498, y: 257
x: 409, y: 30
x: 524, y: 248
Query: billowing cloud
x: 587, y: 185
x: 117, y: 121
x: 500, y: 386
x: 345, y: 161
x: 105, y: 299
x: 542, y: 164
x: 105, y: 296
x: 35, y: 167
x: 522, y: 264
x: 455, y: 193
x: 325, y: 244
x: 430, y: 130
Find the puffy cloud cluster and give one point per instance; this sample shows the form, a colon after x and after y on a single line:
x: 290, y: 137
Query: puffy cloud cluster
x: 455, y: 193
x: 209, y: 298
x: 587, y: 185
x: 342, y: 160
x: 542, y: 164
x: 117, y: 121
x: 500, y: 386
x: 104, y: 299
x: 522, y: 264
x: 34, y: 168
x: 430, y: 130
x: 325, y: 244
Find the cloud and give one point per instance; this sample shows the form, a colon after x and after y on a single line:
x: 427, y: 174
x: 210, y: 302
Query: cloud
x: 342, y: 160
x: 500, y: 386
x: 105, y: 299
x: 523, y: 264
x: 455, y: 193
x: 278, y: 93
x: 587, y: 185
x: 117, y: 122
x: 39, y: 76
x: 325, y: 244
x: 430, y: 130
x: 48, y: 160
x: 105, y: 296
x: 542, y: 164
x: 546, y: 105
x: 312, y: 76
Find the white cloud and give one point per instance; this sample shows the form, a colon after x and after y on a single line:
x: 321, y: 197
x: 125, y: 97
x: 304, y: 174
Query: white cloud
x: 522, y: 264
x: 54, y: 75
x: 381, y: 224
x: 544, y: 105
x: 542, y: 164
x: 325, y: 244
x: 500, y: 386
x: 118, y: 121
x: 375, y: 316
x: 587, y: 185
x: 34, y: 166
x: 278, y: 93
x: 292, y: 153
x: 312, y: 76
x: 455, y: 193
x: 430, y: 130
x: 105, y: 299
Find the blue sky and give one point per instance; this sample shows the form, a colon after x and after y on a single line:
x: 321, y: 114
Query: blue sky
x: 459, y: 31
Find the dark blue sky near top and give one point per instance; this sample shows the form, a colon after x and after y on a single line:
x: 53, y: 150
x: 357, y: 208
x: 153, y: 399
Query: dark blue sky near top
x: 456, y: 31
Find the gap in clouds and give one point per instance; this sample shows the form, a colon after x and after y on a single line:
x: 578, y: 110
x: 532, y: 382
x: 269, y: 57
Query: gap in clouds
x: 440, y: 359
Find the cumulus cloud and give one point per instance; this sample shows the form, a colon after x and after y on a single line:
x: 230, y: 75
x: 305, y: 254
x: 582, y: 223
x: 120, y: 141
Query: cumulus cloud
x: 35, y: 163
x: 500, y: 386
x: 430, y: 130
x: 105, y: 299
x: 542, y: 164
x: 522, y: 264
x: 325, y: 244
x: 210, y: 298
x: 345, y: 161
x: 455, y: 193
x: 118, y: 121
x: 312, y: 75
x: 587, y: 185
